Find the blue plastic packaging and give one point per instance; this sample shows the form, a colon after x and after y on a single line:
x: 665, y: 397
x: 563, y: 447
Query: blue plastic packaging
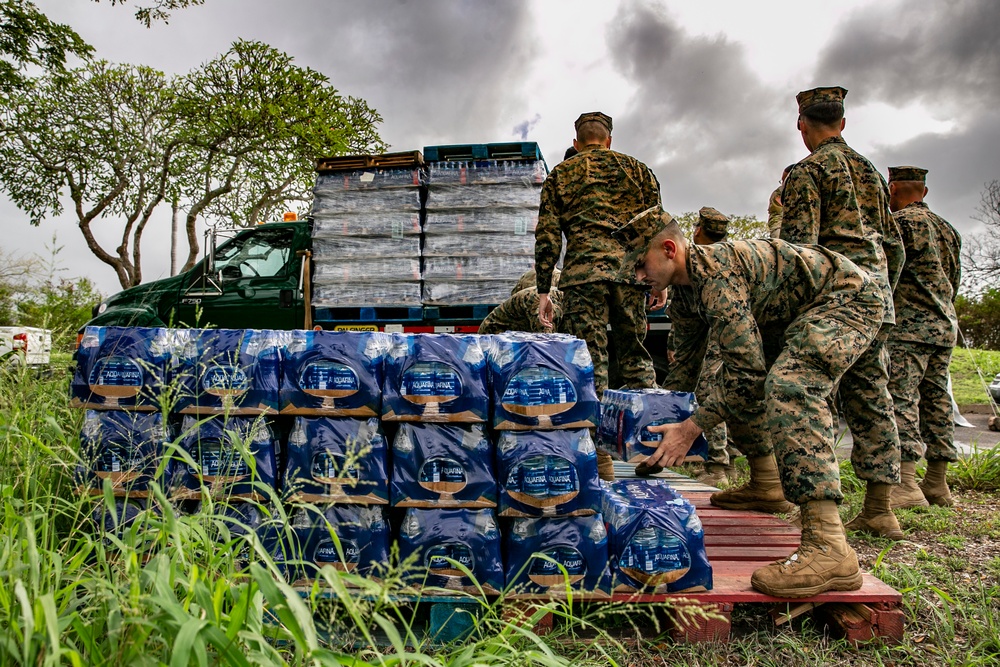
x: 435, y: 378
x: 443, y: 465
x: 535, y: 548
x: 126, y: 448
x: 235, y: 521
x: 348, y: 538
x: 541, y: 381
x: 627, y: 414
x: 470, y: 537
x: 227, y: 371
x: 333, y: 373
x: 337, y: 460
x: 657, y: 543
x: 232, y: 458
x: 121, y: 368
x: 547, y: 473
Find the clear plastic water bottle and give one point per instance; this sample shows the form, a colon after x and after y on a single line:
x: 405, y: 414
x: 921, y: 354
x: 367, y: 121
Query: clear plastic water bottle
x: 462, y: 554
x: 671, y: 553
x: 534, y: 477
x: 560, y: 476
x: 513, y: 483
x: 644, y: 549
x: 572, y: 560
x: 452, y: 471
x: 435, y: 559
x: 430, y: 472
x: 544, y: 567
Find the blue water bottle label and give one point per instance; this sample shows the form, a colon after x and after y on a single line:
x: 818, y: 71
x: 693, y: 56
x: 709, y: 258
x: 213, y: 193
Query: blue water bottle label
x: 435, y: 558
x: 560, y: 476
x: 534, y: 477
x: 219, y: 380
x: 329, y: 376
x: 116, y: 372
x: 326, y: 464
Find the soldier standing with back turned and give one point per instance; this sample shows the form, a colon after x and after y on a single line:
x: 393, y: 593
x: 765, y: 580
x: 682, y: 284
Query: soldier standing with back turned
x: 920, y: 344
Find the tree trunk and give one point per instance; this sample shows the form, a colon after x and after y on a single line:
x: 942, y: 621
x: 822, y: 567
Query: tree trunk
x: 173, y: 237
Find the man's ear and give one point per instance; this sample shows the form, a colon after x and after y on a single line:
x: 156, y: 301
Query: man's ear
x: 607, y: 143
x: 892, y: 188
x: 670, y: 248
x: 577, y: 146
x: 843, y: 124
x: 925, y: 191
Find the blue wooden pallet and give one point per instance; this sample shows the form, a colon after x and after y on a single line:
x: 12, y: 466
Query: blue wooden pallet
x: 370, y: 314
x: 477, y: 311
x: 517, y: 150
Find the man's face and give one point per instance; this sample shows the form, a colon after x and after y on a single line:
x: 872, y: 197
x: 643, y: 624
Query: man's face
x: 655, y: 268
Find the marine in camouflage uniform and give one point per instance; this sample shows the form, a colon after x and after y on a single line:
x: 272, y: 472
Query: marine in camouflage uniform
x: 774, y: 207
x: 921, y: 343
x: 520, y: 313
x: 836, y: 198
x: 527, y: 280
x: 586, y: 198
x: 831, y: 311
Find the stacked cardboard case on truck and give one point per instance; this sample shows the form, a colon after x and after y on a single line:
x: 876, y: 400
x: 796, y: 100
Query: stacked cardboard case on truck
x: 479, y: 231
x: 366, y: 237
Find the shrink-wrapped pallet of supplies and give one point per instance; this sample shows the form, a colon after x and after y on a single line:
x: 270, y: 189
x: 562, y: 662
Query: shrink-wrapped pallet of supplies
x: 337, y: 460
x: 124, y: 450
x: 348, y: 538
x: 549, y: 556
x: 366, y: 237
x: 479, y: 230
x: 657, y: 543
x: 121, y: 368
x: 443, y: 465
x: 627, y: 414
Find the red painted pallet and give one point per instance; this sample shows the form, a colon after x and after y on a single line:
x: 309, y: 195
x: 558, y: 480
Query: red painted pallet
x: 738, y: 543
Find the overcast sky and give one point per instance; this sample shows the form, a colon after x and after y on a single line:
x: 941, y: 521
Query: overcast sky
x: 703, y: 92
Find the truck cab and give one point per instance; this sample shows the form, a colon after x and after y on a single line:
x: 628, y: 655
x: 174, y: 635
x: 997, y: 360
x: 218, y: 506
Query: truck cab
x: 252, y: 280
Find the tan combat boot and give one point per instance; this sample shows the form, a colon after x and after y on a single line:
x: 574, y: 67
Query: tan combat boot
x: 876, y: 517
x: 715, y: 474
x: 762, y: 493
x: 823, y: 561
x: 935, y: 484
x: 605, y: 466
x: 907, y: 494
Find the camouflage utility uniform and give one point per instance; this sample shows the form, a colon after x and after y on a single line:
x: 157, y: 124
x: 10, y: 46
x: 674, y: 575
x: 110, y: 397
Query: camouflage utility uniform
x: 520, y: 313
x: 587, y: 197
x: 527, y: 280
x: 926, y: 330
x: 830, y: 311
x: 836, y: 198
x: 774, y: 214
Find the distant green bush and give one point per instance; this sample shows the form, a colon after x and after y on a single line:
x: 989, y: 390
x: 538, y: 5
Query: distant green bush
x: 979, y: 319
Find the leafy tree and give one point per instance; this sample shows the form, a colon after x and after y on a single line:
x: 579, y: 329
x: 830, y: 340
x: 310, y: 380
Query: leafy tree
x: 981, y: 252
x: 740, y: 226
x: 979, y: 319
x: 158, y: 10
x: 28, y: 38
x: 104, y: 136
x: 17, y: 272
x: 254, y: 125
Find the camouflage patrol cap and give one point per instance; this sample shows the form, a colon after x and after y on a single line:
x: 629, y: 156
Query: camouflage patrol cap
x: 713, y: 222
x: 637, y: 234
x: 808, y: 98
x: 907, y: 174
x: 596, y: 116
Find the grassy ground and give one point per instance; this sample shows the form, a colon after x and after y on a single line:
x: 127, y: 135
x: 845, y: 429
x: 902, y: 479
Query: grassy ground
x: 171, y: 589
x: 965, y: 380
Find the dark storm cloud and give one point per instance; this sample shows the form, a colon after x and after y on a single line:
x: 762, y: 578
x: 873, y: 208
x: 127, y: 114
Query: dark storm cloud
x: 945, y: 56
x: 712, y: 132
x: 523, y: 130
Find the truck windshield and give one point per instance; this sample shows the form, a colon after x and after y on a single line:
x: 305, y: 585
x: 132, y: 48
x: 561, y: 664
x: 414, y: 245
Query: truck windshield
x: 262, y: 254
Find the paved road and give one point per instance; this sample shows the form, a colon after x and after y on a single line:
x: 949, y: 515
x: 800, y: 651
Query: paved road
x: 966, y: 439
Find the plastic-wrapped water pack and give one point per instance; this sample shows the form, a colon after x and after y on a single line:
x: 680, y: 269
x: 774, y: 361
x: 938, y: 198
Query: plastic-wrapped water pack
x: 657, y: 542
x: 627, y: 414
x: 443, y: 465
x: 233, y: 457
x: 333, y: 373
x: 348, y: 538
x: 125, y: 448
x: 246, y: 527
x: 473, y: 221
x: 547, y: 473
x: 473, y: 172
x: 435, y: 378
x: 121, y: 368
x: 456, y: 293
x: 573, y: 553
x: 363, y: 294
x: 541, y: 381
x: 439, y: 536
x: 337, y: 460
x: 227, y: 371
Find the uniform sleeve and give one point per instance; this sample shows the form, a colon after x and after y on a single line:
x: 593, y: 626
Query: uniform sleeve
x: 800, y: 207
x: 735, y: 352
x: 689, y: 335
x: 650, y: 189
x: 548, y: 236
x: 892, y: 240
x: 956, y: 269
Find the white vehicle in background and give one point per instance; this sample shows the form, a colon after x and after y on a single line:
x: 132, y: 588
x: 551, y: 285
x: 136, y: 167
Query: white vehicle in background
x: 25, y: 346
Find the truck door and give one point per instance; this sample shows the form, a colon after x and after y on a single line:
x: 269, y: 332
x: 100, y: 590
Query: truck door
x: 255, y: 286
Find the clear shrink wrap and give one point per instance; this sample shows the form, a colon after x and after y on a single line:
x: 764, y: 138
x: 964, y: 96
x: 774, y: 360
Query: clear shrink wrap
x: 445, y: 196
x: 477, y: 172
x: 367, y: 294
x: 334, y: 250
x: 479, y: 245
x: 375, y: 178
x: 125, y: 448
x: 456, y: 293
x: 548, y: 556
x: 337, y: 200
x: 337, y: 460
x: 627, y: 414
x: 391, y: 224
x: 489, y: 267
x: 121, y: 368
x: 515, y: 221
x: 443, y: 465
x: 656, y: 539
x: 440, y: 538
x: 390, y: 270
x: 349, y: 538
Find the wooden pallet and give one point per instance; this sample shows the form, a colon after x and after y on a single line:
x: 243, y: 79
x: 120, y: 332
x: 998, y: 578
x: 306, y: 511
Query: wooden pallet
x: 404, y: 160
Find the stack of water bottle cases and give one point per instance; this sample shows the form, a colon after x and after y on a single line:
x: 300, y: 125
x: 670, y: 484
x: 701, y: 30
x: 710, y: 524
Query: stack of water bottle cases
x: 448, y: 233
x: 473, y: 453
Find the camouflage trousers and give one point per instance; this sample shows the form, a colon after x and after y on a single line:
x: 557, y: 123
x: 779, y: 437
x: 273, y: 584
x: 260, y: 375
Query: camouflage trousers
x: 587, y: 311
x: 719, y: 449
x: 919, y: 388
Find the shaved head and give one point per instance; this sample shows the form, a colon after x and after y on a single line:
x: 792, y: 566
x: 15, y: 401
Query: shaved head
x: 592, y: 132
